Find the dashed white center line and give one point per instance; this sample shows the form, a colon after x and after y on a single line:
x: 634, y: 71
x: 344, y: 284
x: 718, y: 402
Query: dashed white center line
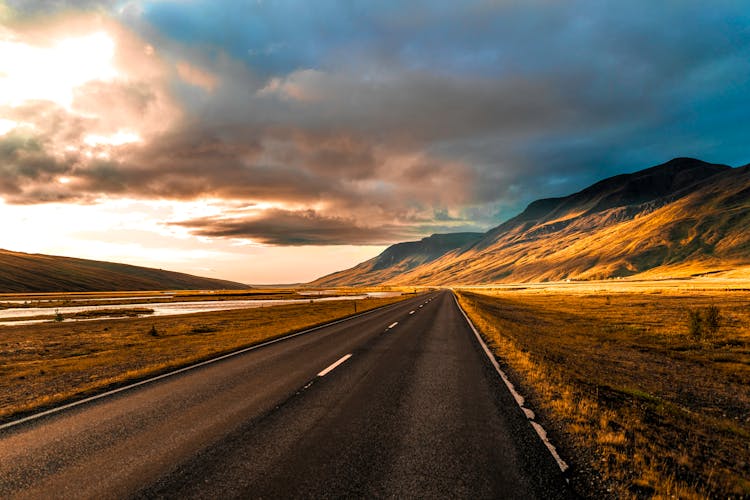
x: 334, y: 365
x: 392, y: 325
x: 421, y: 305
x: 411, y: 312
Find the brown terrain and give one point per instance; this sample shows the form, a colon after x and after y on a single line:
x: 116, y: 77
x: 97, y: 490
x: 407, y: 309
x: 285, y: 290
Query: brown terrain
x: 645, y: 387
x: 51, y: 363
x: 679, y: 219
x: 23, y: 272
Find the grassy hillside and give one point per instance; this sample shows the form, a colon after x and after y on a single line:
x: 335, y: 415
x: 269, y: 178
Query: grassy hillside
x: 703, y: 228
x: 398, y: 259
x: 678, y: 219
x: 22, y: 272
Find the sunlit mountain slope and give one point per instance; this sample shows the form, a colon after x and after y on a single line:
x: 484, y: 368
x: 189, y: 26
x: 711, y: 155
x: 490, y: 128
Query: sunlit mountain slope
x: 23, y: 272
x: 681, y: 218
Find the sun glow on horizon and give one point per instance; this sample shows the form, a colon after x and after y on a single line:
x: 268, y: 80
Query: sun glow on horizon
x: 134, y: 231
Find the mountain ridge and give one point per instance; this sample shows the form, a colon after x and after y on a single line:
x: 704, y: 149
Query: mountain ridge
x: 670, y: 218
x: 402, y: 257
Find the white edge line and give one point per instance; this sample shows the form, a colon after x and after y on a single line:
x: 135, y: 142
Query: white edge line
x: 333, y: 366
x: 519, y: 399
x: 67, y: 406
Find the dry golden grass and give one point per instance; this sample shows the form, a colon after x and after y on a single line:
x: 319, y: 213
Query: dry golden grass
x: 639, y: 406
x: 49, y: 363
x: 704, y: 231
x: 23, y: 272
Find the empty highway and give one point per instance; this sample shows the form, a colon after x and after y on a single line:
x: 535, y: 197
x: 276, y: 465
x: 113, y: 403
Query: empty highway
x: 400, y: 402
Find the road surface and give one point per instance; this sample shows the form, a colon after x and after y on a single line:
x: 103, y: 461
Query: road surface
x: 401, y: 402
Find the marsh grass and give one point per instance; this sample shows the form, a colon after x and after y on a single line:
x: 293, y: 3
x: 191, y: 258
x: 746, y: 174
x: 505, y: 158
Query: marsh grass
x: 638, y: 406
x: 48, y: 363
x: 88, y: 315
x: 59, y: 299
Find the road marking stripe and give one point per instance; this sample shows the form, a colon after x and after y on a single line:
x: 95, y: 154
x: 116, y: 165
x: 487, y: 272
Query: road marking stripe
x: 519, y: 399
x: 58, y: 409
x: 411, y: 312
x: 334, y: 365
x: 392, y: 325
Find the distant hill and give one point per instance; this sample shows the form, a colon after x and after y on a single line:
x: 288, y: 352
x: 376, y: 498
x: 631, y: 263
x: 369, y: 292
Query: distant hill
x: 23, y: 272
x: 684, y: 217
x: 398, y: 259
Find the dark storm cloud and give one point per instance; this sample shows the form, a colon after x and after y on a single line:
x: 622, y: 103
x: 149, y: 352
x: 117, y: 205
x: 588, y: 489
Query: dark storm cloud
x: 28, y: 173
x: 412, y: 115
x: 241, y: 163
x: 297, y: 228
x: 534, y: 96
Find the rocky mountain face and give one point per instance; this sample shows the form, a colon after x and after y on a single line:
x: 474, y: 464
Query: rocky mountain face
x: 398, y: 259
x: 681, y: 218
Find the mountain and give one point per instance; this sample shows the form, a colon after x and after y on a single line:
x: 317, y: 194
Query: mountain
x: 398, y: 259
x: 23, y: 272
x: 682, y: 218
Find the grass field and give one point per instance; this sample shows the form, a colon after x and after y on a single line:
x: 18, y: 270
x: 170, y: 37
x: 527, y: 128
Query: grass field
x: 643, y: 400
x: 48, y: 363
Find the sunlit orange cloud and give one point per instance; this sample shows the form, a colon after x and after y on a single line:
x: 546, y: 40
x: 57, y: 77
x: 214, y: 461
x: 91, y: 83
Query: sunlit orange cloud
x: 302, y: 85
x: 115, y: 104
x: 196, y: 76
x: 95, y: 70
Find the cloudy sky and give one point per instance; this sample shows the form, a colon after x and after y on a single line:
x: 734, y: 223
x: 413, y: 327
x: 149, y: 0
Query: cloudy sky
x: 276, y: 141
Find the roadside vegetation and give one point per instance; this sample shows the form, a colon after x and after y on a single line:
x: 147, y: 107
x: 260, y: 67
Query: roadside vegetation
x: 647, y: 394
x: 49, y: 363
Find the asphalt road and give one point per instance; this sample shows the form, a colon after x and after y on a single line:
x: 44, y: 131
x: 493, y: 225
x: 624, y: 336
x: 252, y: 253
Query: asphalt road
x: 394, y: 403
